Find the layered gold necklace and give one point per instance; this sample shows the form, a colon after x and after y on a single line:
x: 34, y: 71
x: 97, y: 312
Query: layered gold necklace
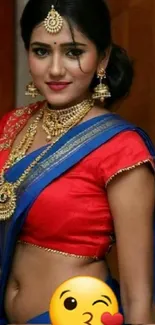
x: 25, y: 144
x: 57, y: 122
x: 62, y: 121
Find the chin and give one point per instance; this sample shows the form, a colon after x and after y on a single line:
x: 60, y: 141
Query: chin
x: 60, y: 100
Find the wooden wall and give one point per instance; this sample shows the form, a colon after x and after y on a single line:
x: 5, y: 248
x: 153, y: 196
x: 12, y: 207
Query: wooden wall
x: 7, y: 57
x: 133, y: 27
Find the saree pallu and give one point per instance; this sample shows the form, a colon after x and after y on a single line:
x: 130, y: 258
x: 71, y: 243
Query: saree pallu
x: 68, y: 151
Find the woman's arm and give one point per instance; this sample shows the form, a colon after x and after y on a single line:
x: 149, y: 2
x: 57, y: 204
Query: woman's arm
x: 131, y: 197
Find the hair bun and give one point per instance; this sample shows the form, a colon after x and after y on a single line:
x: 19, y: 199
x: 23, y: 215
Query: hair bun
x: 119, y: 74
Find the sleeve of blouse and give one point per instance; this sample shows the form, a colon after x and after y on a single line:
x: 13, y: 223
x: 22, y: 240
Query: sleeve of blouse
x: 124, y: 152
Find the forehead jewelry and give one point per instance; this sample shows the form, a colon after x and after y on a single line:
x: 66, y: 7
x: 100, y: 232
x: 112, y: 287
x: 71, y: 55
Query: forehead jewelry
x: 53, y: 23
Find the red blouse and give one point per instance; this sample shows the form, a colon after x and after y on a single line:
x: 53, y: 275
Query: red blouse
x: 72, y: 214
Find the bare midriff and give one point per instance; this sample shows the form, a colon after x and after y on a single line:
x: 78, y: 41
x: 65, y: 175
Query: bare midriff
x: 35, y: 275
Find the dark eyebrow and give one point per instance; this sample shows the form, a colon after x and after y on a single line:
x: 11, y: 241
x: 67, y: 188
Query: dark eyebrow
x: 107, y: 298
x: 71, y: 44
x: 40, y: 44
x: 64, y: 293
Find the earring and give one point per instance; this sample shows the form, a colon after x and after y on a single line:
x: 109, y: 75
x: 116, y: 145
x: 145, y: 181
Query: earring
x: 102, y: 90
x: 31, y: 90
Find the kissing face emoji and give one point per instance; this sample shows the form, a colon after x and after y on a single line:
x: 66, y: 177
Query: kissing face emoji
x: 82, y: 300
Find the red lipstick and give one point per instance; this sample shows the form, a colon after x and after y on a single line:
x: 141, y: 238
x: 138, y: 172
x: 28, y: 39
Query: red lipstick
x: 56, y: 86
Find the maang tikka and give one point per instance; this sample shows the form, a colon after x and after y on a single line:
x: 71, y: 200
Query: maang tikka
x: 53, y: 23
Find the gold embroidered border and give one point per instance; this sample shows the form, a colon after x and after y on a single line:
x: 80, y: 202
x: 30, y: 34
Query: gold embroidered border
x: 68, y: 149
x: 49, y: 250
x: 11, y: 130
x: 5, y: 145
x: 127, y: 169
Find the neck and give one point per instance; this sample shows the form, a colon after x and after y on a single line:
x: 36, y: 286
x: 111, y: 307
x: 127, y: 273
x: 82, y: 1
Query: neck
x: 70, y: 104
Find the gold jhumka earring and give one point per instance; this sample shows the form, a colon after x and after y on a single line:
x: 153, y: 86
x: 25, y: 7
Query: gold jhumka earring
x: 53, y: 23
x: 31, y: 90
x: 102, y: 90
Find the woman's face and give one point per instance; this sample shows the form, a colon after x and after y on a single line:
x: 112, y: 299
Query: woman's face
x: 55, y: 68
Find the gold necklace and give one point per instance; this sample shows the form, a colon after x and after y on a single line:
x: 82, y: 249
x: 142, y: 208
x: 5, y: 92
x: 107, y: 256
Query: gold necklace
x: 8, y: 197
x: 57, y: 122
x: 19, y: 151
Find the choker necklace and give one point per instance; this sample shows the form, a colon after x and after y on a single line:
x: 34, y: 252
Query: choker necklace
x: 8, y: 190
x: 56, y: 122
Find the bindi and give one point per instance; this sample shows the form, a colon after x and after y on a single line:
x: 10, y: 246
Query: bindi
x: 55, y: 43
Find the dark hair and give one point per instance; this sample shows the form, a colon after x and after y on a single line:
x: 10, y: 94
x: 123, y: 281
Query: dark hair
x: 93, y: 19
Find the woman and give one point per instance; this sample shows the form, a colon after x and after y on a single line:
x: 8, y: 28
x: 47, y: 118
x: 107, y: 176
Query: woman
x: 73, y: 175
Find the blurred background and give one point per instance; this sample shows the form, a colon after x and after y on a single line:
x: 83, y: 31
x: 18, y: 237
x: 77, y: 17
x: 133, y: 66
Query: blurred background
x: 133, y: 28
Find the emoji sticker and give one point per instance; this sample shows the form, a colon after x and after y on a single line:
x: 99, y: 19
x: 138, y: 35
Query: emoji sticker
x: 84, y: 300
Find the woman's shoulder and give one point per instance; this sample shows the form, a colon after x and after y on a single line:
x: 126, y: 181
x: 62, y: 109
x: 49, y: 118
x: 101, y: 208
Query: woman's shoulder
x: 125, y: 151
x: 128, y: 137
x: 20, y: 111
x: 126, y: 145
x: 128, y: 140
x: 12, y: 122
